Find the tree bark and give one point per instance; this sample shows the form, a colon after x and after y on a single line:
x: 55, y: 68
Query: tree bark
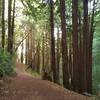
x: 75, y: 45
x: 3, y: 23
x: 86, y: 49
x: 64, y: 46
x: 58, y: 54
x: 53, y: 62
x: 13, y: 20
x: 10, y: 36
x: 22, y: 56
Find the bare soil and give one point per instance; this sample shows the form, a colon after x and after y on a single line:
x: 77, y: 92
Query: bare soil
x: 25, y: 87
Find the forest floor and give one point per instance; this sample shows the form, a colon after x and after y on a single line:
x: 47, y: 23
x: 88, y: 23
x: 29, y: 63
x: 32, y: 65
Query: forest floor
x: 25, y: 87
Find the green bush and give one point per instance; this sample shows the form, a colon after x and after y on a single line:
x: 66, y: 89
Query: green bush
x: 6, y: 63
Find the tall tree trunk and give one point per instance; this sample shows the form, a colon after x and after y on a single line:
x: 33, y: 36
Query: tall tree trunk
x: 33, y: 51
x: 0, y: 15
x: 85, y: 36
x: 58, y: 54
x: 26, y: 52
x: 30, y: 50
x: 90, y: 45
x: 3, y: 23
x: 86, y: 47
x: 81, y: 66
x: 70, y: 61
x: 13, y: 19
x: 64, y: 46
x: 38, y: 57
x: 22, y: 56
x: 10, y: 37
x: 43, y: 62
x: 75, y: 45
x: 53, y: 62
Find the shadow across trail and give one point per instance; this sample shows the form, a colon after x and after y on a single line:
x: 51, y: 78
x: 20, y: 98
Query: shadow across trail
x: 25, y: 87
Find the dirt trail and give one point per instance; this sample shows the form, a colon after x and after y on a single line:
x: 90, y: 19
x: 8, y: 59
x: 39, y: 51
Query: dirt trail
x: 24, y: 87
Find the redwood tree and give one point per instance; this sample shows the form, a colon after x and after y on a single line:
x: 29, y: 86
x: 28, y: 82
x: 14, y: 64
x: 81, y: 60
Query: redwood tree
x: 86, y: 47
x: 10, y: 44
x: 53, y: 61
x: 64, y: 45
x: 75, y: 45
x: 3, y: 23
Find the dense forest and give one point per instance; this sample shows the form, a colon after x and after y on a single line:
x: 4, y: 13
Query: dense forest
x: 57, y: 39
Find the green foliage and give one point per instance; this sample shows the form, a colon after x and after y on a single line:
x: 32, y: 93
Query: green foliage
x: 96, y: 57
x: 96, y: 65
x: 7, y: 63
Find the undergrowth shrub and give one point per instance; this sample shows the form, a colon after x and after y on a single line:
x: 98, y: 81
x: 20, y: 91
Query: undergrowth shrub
x: 7, y: 63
